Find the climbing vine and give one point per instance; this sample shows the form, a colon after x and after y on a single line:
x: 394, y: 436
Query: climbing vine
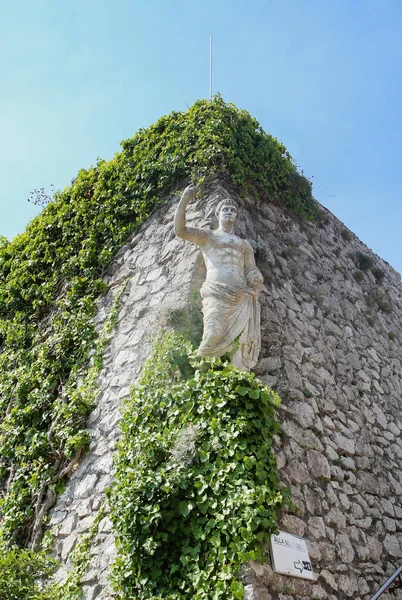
x: 35, y: 472
x: 197, y: 491
x: 21, y: 573
x: 51, y: 276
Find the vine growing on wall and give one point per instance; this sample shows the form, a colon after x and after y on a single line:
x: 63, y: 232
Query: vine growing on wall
x: 22, y: 573
x: 197, y: 491
x: 36, y: 473
x: 51, y: 276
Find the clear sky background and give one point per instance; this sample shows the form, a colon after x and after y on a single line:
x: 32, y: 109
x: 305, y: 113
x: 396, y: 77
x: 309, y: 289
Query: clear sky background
x: 323, y: 76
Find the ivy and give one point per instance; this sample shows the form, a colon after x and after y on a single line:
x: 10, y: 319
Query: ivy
x: 34, y: 474
x: 51, y: 276
x: 21, y: 574
x: 197, y: 491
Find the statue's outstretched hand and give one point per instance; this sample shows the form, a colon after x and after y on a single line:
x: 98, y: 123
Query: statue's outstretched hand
x: 189, y: 193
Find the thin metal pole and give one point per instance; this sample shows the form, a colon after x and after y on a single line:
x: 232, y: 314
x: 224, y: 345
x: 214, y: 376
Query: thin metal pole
x: 210, y: 67
x: 387, y: 583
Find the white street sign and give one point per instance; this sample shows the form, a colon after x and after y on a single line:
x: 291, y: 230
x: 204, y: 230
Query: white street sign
x: 290, y: 556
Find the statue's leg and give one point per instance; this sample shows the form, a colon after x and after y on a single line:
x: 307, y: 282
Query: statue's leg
x: 225, y: 320
x: 238, y: 354
x: 215, y: 329
x: 209, y: 344
x: 237, y: 361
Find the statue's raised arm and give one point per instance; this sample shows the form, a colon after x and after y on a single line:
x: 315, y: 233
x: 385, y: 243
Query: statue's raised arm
x: 192, y: 234
x: 230, y: 291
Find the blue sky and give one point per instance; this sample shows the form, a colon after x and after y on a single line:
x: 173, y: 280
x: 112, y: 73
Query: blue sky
x: 323, y: 76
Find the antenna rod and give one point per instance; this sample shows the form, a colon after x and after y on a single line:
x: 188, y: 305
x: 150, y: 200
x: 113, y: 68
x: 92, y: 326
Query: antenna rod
x: 210, y: 67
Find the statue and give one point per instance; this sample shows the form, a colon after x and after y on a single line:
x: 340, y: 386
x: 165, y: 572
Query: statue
x: 230, y: 292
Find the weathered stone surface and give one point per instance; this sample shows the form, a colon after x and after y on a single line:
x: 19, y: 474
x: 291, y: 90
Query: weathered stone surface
x: 130, y: 345
x: 316, y: 528
x: 68, y: 545
x: 344, y: 444
x: 68, y: 525
x: 345, y: 548
x: 293, y: 525
x: 348, y: 585
x: 329, y: 579
x: 91, y: 592
x: 258, y: 576
x: 325, y: 349
x: 318, y: 465
x: 319, y: 593
x: 303, y: 413
x: 390, y: 524
x: 392, y: 545
x: 86, y: 486
x: 335, y: 517
x: 251, y: 592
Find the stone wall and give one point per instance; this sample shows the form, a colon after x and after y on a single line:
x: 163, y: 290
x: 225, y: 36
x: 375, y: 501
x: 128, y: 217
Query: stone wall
x: 332, y: 333
x: 332, y: 349
x: 155, y: 272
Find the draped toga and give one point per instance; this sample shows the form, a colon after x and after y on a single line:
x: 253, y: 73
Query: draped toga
x: 231, y: 323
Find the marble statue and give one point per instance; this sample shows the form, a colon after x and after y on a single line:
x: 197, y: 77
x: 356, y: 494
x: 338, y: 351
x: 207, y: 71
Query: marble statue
x: 230, y: 292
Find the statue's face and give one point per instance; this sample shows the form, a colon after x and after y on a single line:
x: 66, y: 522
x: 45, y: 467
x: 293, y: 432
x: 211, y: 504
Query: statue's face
x: 227, y: 214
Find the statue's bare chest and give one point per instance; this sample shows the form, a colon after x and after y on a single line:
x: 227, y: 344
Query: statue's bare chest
x: 227, y: 242
x: 225, y: 250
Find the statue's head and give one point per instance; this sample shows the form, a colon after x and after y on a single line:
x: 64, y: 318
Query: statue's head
x: 226, y: 210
